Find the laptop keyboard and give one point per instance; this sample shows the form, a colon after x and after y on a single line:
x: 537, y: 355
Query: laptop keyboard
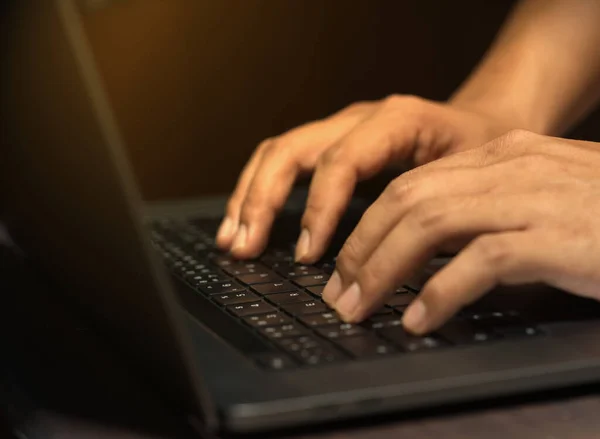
x: 279, y: 302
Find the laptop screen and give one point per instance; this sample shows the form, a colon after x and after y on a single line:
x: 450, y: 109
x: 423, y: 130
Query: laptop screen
x: 69, y: 198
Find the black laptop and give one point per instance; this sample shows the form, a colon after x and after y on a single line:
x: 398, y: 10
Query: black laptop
x: 240, y: 346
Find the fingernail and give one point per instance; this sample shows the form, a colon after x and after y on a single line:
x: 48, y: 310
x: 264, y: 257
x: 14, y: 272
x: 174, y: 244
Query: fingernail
x: 240, y: 238
x: 303, y: 244
x: 333, y: 289
x: 414, y: 317
x: 348, y: 302
x: 225, y: 230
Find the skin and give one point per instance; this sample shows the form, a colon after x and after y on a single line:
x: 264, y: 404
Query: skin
x: 531, y: 217
x: 542, y: 74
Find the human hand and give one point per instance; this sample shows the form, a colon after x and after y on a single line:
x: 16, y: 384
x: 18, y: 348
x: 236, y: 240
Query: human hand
x: 349, y: 146
x: 528, y: 207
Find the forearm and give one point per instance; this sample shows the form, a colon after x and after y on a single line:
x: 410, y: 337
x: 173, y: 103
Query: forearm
x: 543, y: 71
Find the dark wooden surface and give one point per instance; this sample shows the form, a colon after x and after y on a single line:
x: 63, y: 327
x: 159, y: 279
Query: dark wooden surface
x: 565, y: 415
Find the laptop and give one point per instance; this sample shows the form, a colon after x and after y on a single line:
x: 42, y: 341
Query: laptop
x: 237, y: 346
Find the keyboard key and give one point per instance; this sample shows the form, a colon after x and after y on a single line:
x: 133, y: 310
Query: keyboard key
x: 365, y: 346
x: 317, y: 290
x: 224, y: 260
x: 221, y: 288
x: 414, y: 284
x: 460, y: 331
x: 291, y: 297
x: 200, y: 248
x: 270, y: 319
x: 275, y: 361
x: 310, y: 350
x: 309, y: 307
x: 401, y: 300
x: 250, y: 308
x: 241, y: 268
x: 322, y: 319
x: 383, y: 321
x: 318, y: 355
x: 518, y: 331
x: 284, y: 331
x: 409, y: 342
x: 506, y: 325
x: 297, y: 344
x: 202, y: 266
x: 340, y: 330
x: 259, y: 278
x: 313, y: 279
x: 203, y: 279
x: 235, y: 298
x: 277, y: 261
x: 274, y: 287
x: 296, y: 270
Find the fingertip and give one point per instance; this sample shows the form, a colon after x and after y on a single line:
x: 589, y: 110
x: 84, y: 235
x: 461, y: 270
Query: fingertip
x: 302, y: 246
x: 249, y: 242
x: 348, y: 303
x: 333, y: 289
x: 415, y: 318
x: 226, y: 233
x: 311, y: 244
x: 238, y: 246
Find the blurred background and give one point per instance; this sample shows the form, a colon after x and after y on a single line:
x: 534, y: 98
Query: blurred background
x: 197, y: 84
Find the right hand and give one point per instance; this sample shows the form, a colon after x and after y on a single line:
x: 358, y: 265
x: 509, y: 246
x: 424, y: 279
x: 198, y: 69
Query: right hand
x: 343, y: 149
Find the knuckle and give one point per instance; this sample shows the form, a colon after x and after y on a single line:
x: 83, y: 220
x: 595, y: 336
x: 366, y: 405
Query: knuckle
x: 349, y: 255
x: 511, y: 141
x: 332, y: 156
x: 312, y: 212
x: 344, y: 266
x: 398, y: 100
x: 492, y: 250
x: 515, y: 138
x: 274, y: 146
x: 398, y: 189
x: 266, y: 145
x: 428, y: 215
x: 405, y: 191
x: 518, y: 135
x: 288, y: 141
x: 252, y: 207
x: 370, y: 278
x: 357, y: 106
x: 411, y: 107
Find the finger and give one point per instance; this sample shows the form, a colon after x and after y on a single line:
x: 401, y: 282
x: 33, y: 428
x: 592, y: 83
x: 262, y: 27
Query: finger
x: 474, y: 172
x: 230, y: 223
x: 423, y: 230
x: 398, y: 198
x: 385, y: 137
x: 507, y: 258
x: 282, y: 161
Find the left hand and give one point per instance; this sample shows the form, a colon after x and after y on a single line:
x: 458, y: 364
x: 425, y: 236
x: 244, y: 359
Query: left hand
x: 527, y: 206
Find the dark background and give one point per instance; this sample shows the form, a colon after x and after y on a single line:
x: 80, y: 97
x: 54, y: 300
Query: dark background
x: 197, y: 84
